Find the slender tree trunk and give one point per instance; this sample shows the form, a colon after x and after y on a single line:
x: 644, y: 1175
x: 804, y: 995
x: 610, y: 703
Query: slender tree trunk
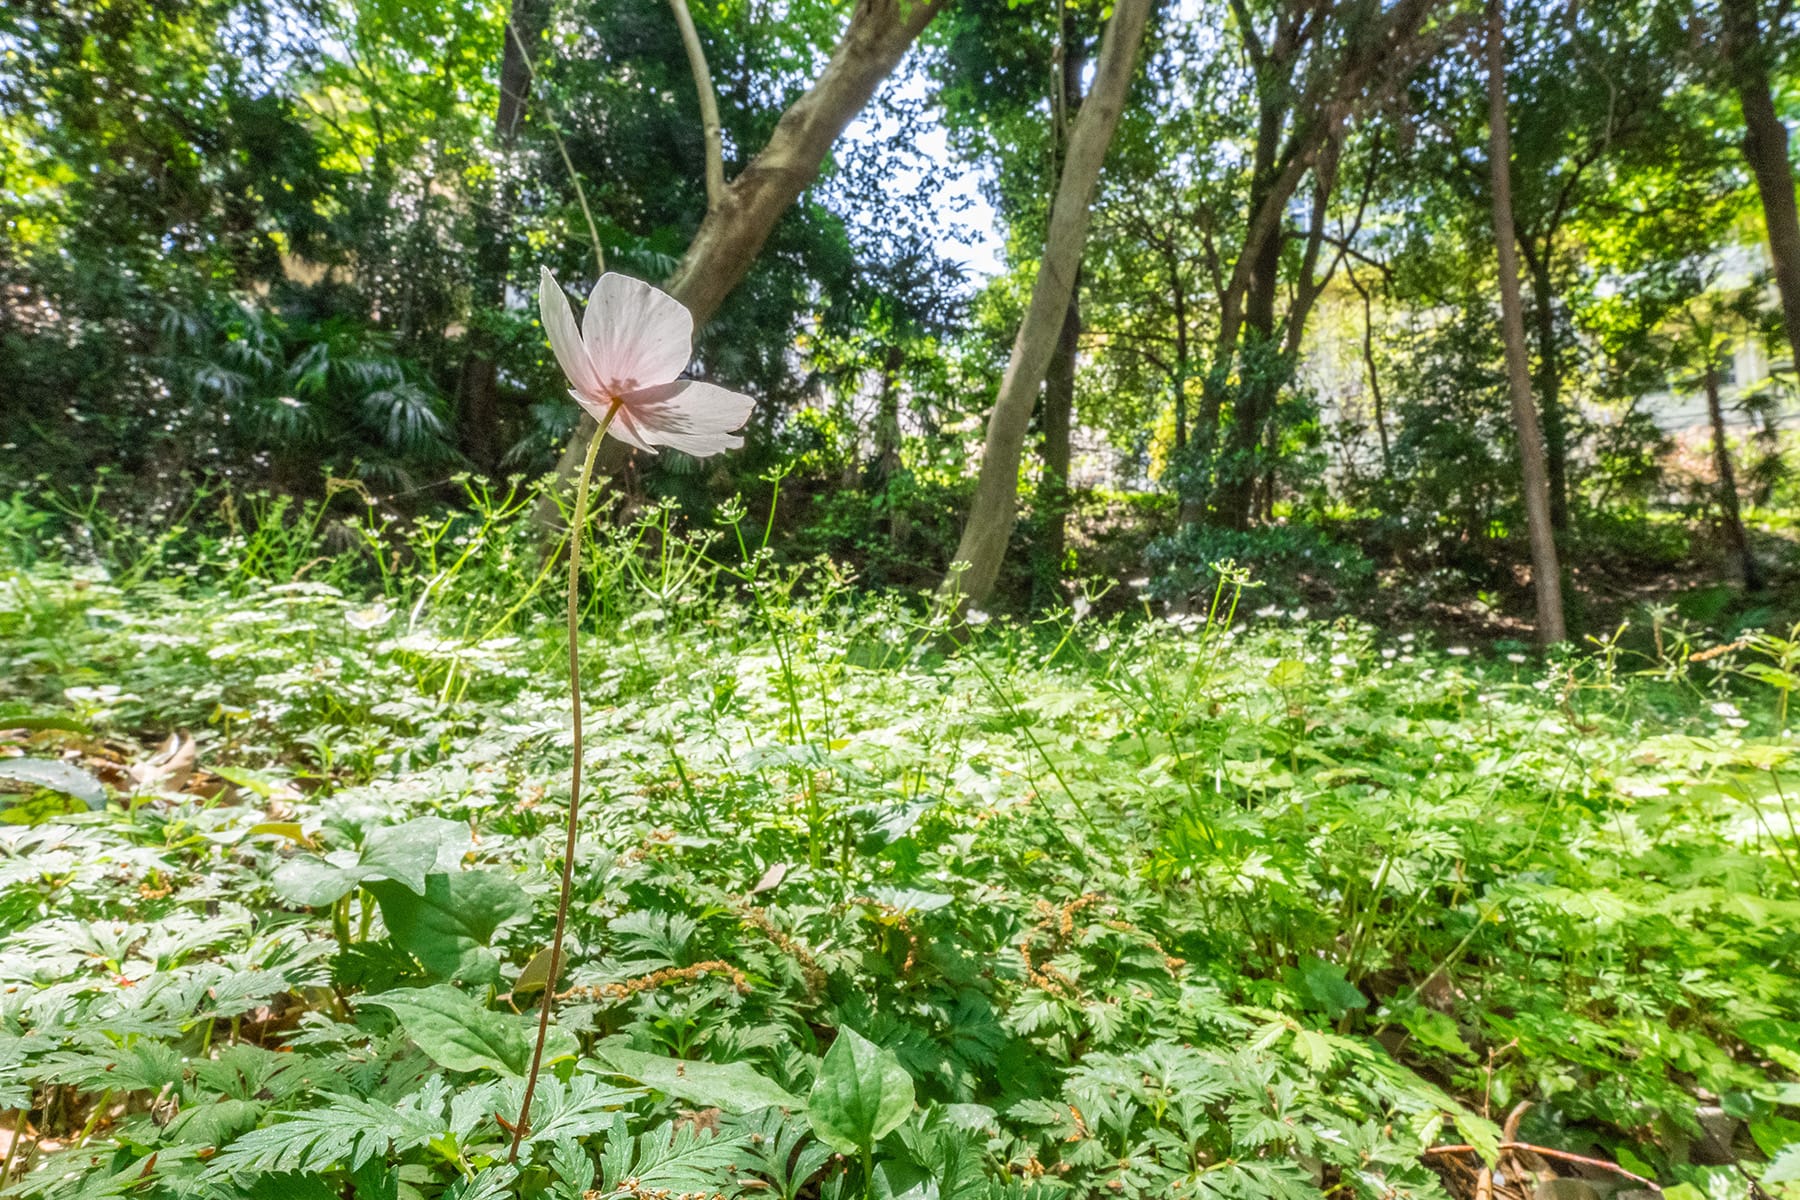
x: 1374, y: 376
x: 886, y: 461
x: 1546, y: 573
x: 1766, y: 150
x: 1058, y: 420
x: 712, y: 131
x: 1252, y: 400
x: 1549, y: 387
x: 1057, y: 415
x: 734, y: 230
x: 478, y: 382
x: 1735, y: 534
x: 1182, y: 353
x: 995, y: 506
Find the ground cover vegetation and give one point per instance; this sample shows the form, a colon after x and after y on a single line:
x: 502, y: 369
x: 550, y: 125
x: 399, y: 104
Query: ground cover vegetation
x: 1265, y: 907
x: 1183, y: 599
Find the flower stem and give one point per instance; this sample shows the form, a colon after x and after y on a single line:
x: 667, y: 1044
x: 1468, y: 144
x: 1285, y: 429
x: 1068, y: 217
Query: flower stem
x: 568, y: 863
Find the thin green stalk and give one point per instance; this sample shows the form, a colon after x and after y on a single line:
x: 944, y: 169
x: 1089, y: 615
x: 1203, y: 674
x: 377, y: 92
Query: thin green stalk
x: 568, y: 863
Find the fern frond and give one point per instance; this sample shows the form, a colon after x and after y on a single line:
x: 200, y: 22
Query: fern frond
x: 348, y: 1133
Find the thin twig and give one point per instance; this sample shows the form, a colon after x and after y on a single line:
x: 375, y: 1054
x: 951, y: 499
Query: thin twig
x: 522, y: 1126
x: 1562, y: 1155
x: 568, y: 164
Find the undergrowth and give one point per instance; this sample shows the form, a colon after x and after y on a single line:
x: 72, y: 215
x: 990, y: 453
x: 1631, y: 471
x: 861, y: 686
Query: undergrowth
x: 1149, y: 908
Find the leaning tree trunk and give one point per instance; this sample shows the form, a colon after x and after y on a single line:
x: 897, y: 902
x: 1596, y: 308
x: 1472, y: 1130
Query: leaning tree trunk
x: 995, y: 506
x: 734, y: 229
x: 478, y: 384
x: 1057, y: 416
x: 1728, y: 493
x: 1546, y: 573
x: 1766, y: 150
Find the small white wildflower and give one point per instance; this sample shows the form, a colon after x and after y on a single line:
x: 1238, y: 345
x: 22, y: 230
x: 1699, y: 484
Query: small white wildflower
x: 373, y: 617
x: 976, y: 617
x: 1515, y: 657
x: 1725, y: 708
x: 1458, y: 652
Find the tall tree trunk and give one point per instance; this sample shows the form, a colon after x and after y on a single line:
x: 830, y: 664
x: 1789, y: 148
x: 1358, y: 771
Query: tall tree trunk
x: 886, y: 460
x: 478, y: 382
x: 1766, y: 150
x: 1728, y: 493
x: 1546, y: 573
x: 1057, y: 415
x: 1236, y: 490
x: 1374, y: 376
x: 1058, y: 419
x: 995, y: 506
x: 1181, y: 352
x: 1549, y: 385
x: 712, y: 132
x: 734, y: 230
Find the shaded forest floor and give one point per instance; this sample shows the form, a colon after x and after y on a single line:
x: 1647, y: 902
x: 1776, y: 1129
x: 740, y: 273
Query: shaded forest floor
x: 1146, y: 907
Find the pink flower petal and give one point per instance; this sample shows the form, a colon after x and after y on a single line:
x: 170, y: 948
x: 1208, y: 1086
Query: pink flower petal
x: 626, y: 432
x: 636, y: 335
x: 694, y: 418
x: 565, y: 338
x: 594, y: 406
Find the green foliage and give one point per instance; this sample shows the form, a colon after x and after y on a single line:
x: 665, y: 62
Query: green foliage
x: 1161, y: 908
x: 1294, y: 564
x: 861, y: 1095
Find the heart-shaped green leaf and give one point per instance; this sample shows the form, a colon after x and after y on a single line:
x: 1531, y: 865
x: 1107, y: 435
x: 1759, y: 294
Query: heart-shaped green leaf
x: 861, y: 1095
x: 448, y: 924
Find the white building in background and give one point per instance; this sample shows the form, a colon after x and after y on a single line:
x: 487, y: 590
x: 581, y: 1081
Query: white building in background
x: 1334, y: 367
x: 1680, y: 407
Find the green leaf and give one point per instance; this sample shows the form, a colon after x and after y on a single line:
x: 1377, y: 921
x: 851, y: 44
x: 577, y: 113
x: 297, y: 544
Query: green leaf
x: 56, y: 775
x: 861, y: 1095
x: 1783, y: 1168
x: 448, y: 924
x: 1289, y: 672
x: 1326, y: 985
x: 405, y: 853
x: 457, y: 1033
x: 32, y: 724
x: 733, y: 1087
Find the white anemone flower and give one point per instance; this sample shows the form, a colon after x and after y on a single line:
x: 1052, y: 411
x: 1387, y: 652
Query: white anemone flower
x: 624, y: 358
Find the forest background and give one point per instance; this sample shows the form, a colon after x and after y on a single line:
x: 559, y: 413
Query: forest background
x: 294, y: 247
x: 1247, y: 652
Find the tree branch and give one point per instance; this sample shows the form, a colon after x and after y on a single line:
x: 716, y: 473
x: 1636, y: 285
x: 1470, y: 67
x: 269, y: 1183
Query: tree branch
x: 709, y: 103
